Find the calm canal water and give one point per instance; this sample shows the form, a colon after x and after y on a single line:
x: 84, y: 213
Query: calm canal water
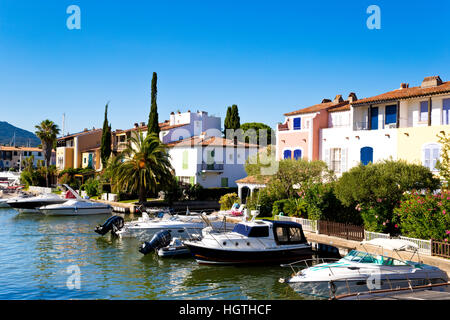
x: 35, y: 252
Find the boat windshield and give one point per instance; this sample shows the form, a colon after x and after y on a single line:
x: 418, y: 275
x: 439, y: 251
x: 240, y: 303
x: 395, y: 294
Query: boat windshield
x: 253, y: 231
x: 365, y: 257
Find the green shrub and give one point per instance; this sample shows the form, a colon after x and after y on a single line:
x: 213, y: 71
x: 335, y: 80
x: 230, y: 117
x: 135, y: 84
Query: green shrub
x: 92, y: 187
x: 296, y: 207
x: 227, y: 200
x: 376, y: 189
x: 278, y: 207
x: 424, y: 216
x: 261, y: 200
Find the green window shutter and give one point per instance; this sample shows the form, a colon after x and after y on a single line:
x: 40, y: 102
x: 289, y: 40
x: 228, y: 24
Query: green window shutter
x: 192, y: 180
x: 224, y: 182
x: 185, y: 159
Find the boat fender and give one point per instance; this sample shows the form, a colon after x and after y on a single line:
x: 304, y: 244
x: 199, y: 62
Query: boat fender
x: 159, y: 240
x: 113, y: 224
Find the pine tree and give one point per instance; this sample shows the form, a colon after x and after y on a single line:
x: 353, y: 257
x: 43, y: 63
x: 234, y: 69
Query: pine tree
x: 105, y: 148
x: 153, y: 125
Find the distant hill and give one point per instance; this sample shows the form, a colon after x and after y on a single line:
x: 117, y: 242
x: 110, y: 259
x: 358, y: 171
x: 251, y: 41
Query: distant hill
x: 23, y: 137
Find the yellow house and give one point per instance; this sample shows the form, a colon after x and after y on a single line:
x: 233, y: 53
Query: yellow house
x: 413, y: 117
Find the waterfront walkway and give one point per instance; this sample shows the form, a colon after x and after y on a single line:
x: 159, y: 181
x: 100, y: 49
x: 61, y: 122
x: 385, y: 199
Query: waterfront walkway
x: 441, y: 263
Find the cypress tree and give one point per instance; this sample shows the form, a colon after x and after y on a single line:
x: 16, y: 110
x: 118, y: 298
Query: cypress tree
x: 235, y: 122
x: 105, y: 148
x: 153, y: 125
x: 226, y: 123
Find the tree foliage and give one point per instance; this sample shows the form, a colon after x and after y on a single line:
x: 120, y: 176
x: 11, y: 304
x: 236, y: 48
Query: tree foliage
x: 255, y: 130
x: 145, y: 168
x: 105, y: 147
x: 232, y: 119
x: 443, y: 165
x: 376, y: 189
x: 153, y: 124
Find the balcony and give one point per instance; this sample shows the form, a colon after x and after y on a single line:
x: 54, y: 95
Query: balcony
x: 283, y: 127
x: 213, y: 167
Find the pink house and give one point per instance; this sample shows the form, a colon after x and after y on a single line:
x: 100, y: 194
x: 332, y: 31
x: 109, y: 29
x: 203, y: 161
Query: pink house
x: 298, y: 137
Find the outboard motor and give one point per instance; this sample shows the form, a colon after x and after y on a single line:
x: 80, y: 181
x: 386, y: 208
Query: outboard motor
x: 113, y: 224
x: 159, y: 240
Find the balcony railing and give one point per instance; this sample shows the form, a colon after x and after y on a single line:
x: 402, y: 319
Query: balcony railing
x: 212, y: 167
x: 283, y: 127
x: 361, y: 125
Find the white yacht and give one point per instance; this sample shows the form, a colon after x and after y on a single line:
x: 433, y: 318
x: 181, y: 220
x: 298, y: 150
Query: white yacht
x: 179, y: 226
x: 76, y: 207
x: 255, y: 241
x: 32, y: 204
x: 361, y: 271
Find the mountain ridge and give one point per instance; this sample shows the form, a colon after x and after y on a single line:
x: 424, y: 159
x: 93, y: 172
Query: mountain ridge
x: 22, y: 137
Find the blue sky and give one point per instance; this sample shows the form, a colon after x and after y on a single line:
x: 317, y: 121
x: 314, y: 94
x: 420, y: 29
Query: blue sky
x: 268, y: 57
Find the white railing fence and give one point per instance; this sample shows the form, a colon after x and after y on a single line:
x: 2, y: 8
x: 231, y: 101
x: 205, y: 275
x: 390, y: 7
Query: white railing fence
x: 307, y: 224
x: 369, y: 235
x: 424, y: 245
x: 311, y: 226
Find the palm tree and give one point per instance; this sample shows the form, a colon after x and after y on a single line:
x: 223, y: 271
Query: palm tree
x: 145, y: 167
x: 47, y: 131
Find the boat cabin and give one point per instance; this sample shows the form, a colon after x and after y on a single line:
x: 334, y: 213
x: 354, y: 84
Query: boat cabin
x: 283, y: 232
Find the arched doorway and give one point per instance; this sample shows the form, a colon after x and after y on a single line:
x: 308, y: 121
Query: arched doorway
x: 366, y: 155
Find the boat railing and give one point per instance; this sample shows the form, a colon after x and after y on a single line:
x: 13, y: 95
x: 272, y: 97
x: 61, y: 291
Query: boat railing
x: 307, y: 263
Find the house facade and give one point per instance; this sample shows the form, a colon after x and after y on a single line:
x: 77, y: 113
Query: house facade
x: 12, y: 157
x: 70, y: 148
x: 299, y: 136
x: 210, y: 161
x: 399, y: 124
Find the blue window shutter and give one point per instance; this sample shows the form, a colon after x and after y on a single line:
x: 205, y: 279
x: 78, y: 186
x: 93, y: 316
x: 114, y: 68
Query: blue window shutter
x: 366, y: 155
x: 374, y: 118
x: 446, y: 111
x: 287, y: 154
x: 297, y: 154
x: 391, y: 114
x: 297, y: 123
x: 423, y: 111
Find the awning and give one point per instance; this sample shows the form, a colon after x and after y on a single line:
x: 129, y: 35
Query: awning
x: 392, y: 244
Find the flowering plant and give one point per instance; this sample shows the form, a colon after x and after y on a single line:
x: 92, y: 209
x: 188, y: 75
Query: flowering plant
x: 424, y: 216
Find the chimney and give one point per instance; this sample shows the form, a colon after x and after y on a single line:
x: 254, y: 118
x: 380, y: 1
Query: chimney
x: 326, y: 100
x: 433, y: 81
x: 136, y: 125
x: 172, y: 112
x: 142, y: 124
x: 404, y: 85
x: 85, y: 129
x: 352, y: 97
x: 338, y: 99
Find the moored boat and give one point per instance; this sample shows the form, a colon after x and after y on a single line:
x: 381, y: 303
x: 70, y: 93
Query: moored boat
x: 255, y: 241
x: 362, y: 271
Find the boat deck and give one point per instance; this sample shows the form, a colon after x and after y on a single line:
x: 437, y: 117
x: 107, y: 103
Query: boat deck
x: 414, y: 295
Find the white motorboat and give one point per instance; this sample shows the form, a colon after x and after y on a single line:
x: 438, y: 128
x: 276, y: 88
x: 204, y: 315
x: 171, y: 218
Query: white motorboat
x: 176, y: 248
x: 76, y: 207
x: 179, y: 226
x: 362, y: 271
x: 32, y: 204
x: 4, y: 203
x: 255, y: 241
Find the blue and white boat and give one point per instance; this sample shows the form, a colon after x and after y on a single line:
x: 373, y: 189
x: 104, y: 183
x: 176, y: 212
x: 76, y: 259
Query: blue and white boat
x: 362, y: 271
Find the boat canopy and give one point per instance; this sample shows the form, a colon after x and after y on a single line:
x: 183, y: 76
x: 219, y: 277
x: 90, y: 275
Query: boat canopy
x: 251, y: 231
x: 392, y: 244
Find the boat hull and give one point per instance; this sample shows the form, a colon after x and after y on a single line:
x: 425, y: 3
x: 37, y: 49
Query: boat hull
x: 30, y: 205
x: 75, y: 211
x: 205, y: 255
x: 147, y: 233
x: 323, y: 289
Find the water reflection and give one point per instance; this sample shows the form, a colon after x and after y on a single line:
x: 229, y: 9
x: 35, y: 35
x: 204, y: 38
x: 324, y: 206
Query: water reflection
x: 38, y: 250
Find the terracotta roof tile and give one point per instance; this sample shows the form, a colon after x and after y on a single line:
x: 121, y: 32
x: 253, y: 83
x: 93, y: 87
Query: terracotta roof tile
x: 318, y: 107
x: 254, y: 180
x: 405, y: 93
x: 209, y: 141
